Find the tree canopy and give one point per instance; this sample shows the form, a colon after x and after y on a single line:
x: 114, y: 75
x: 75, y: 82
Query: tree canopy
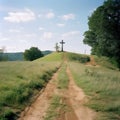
x: 104, y: 30
x: 32, y: 54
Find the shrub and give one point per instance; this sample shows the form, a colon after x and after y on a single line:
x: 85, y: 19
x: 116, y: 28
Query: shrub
x: 32, y: 54
x: 47, y: 75
x: 78, y: 57
x: 36, y: 84
x: 8, y: 115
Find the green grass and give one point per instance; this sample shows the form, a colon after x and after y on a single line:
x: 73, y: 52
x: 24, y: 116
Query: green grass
x: 20, y: 81
x: 103, y: 87
x: 54, y: 107
x: 78, y: 57
x: 63, y: 79
x: 55, y: 56
x: 106, y: 62
x: 57, y: 103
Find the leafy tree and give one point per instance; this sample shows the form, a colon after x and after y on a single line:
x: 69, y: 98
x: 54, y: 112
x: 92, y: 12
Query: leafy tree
x: 32, y: 54
x: 104, y: 30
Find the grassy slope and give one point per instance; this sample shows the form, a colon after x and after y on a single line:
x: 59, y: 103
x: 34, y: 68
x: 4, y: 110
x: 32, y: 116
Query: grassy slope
x: 106, y: 62
x: 19, y: 81
x: 51, y: 57
x: 102, y: 85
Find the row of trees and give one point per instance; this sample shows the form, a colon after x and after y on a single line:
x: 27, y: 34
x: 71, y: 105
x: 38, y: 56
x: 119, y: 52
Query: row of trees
x: 104, y: 30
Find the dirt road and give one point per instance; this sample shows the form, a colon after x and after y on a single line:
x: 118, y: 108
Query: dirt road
x: 77, y: 98
x: 37, y: 110
x: 73, y: 97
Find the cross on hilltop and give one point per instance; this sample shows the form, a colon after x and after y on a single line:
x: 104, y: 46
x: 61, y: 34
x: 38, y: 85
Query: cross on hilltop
x: 62, y: 42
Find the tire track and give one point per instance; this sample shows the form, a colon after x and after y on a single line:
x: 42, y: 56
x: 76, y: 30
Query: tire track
x: 37, y: 110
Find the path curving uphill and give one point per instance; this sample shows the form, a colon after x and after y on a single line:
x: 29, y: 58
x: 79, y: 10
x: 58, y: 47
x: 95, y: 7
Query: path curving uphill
x: 37, y: 110
x: 73, y: 97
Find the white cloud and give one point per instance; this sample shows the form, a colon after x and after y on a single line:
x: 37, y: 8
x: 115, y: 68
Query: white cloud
x: 60, y: 25
x: 17, y: 17
x: 70, y: 34
x: 41, y: 28
x: 14, y: 30
x: 32, y: 35
x: 47, y: 35
x: 68, y: 17
x: 4, y: 38
x: 48, y: 15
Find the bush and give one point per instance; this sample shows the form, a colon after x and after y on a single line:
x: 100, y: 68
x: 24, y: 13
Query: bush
x: 36, y: 84
x: 79, y: 57
x: 46, y: 76
x: 32, y: 54
x: 8, y: 115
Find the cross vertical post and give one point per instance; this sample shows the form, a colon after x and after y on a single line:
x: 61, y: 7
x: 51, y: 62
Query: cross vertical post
x: 62, y: 42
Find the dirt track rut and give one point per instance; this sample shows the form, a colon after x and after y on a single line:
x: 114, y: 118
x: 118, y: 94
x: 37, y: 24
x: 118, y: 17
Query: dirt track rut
x: 37, y: 110
x: 74, y: 98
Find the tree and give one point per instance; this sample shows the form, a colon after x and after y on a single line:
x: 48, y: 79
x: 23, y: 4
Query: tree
x: 3, y: 57
x: 57, y: 47
x: 104, y: 30
x: 32, y: 54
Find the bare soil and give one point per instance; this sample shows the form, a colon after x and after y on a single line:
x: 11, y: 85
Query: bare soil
x: 92, y: 62
x: 37, y: 110
x: 73, y: 97
x: 77, y: 99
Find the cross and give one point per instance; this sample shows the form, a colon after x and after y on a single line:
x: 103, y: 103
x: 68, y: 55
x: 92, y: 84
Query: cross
x: 62, y: 42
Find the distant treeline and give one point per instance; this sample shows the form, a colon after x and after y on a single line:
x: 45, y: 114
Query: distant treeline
x: 18, y: 56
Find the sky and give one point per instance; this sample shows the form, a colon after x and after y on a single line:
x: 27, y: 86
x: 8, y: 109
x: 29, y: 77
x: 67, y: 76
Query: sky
x: 43, y: 23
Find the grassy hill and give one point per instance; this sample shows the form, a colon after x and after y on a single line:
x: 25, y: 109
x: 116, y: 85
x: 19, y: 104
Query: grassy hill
x: 21, y: 80
x: 51, y: 57
x: 101, y: 82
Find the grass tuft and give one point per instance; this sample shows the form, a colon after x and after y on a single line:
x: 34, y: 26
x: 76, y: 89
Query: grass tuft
x: 63, y: 79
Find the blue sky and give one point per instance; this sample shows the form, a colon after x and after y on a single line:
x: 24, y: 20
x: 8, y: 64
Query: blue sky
x: 43, y: 23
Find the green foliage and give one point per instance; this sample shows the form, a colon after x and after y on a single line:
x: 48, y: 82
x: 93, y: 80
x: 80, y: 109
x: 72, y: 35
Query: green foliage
x: 78, y: 57
x: 106, y: 62
x: 3, y: 57
x: 103, y: 87
x: 18, y: 56
x: 32, y: 54
x: 8, y: 115
x: 104, y: 37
